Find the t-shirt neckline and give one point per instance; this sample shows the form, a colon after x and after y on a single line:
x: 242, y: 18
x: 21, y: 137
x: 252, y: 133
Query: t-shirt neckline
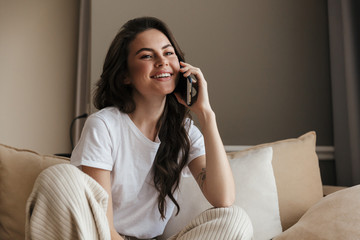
x: 139, y: 133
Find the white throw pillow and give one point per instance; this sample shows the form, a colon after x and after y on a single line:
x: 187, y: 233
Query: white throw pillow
x: 256, y: 193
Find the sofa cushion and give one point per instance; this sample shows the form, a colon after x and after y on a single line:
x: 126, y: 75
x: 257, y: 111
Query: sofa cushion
x: 297, y: 175
x: 336, y: 216
x: 255, y: 193
x: 18, y: 171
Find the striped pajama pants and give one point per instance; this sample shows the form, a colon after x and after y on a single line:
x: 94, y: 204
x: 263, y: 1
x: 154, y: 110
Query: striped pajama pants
x: 67, y: 204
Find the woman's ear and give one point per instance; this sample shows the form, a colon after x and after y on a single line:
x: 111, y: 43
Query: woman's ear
x: 127, y: 80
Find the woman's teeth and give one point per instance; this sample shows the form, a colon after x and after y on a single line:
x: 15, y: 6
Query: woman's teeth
x: 163, y: 75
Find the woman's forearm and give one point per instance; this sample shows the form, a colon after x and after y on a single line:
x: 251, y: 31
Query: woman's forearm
x: 218, y: 186
x: 216, y: 181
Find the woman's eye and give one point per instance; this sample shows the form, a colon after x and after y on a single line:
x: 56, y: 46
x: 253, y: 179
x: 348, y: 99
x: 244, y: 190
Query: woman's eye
x: 145, y: 56
x: 169, y: 53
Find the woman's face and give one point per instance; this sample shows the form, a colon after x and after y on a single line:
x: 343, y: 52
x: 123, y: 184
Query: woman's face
x: 153, y: 66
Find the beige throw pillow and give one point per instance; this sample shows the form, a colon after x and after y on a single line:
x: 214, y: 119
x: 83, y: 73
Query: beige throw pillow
x: 18, y: 171
x: 297, y: 175
x: 336, y: 216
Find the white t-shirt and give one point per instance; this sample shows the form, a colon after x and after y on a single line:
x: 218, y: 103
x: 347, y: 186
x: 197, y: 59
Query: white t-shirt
x: 111, y: 141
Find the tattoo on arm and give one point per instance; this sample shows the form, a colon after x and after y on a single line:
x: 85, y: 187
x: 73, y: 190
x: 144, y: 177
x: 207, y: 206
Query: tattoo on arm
x: 201, y: 177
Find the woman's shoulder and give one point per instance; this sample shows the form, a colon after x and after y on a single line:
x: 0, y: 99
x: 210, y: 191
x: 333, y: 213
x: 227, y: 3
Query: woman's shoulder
x: 107, y: 116
x: 108, y: 113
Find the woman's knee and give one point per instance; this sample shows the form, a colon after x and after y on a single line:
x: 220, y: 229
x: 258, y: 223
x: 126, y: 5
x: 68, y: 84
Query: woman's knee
x: 236, y: 220
x: 242, y: 221
x: 59, y: 177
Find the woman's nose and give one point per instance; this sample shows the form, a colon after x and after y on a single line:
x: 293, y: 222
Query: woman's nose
x: 161, y: 61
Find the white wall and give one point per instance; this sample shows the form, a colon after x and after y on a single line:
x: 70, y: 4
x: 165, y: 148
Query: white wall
x: 38, y: 49
x: 266, y: 62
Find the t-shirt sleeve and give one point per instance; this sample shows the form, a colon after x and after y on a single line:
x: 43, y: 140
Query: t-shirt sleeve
x: 95, y: 146
x: 197, y: 146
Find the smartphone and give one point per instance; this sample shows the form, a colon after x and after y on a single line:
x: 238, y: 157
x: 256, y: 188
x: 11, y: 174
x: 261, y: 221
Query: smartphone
x: 187, y: 89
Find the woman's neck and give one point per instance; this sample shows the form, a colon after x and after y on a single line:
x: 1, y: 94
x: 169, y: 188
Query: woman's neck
x: 146, y: 116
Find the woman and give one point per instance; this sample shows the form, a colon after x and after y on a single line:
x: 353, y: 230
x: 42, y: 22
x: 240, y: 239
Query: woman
x: 141, y: 142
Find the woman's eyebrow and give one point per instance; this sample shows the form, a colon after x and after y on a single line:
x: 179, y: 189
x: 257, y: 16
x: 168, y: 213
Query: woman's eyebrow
x: 167, y: 45
x: 152, y: 50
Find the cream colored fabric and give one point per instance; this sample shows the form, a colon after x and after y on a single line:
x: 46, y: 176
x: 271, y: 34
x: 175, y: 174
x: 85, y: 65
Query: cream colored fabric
x: 18, y: 171
x: 297, y: 175
x: 218, y: 223
x: 66, y: 204
x: 336, y: 216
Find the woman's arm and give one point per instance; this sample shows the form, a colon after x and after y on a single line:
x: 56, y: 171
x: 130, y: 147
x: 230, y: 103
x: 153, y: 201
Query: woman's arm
x: 103, y: 178
x: 212, y: 171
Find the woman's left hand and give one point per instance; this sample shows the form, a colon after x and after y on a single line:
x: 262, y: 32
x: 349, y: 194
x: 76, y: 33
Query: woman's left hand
x: 202, y: 103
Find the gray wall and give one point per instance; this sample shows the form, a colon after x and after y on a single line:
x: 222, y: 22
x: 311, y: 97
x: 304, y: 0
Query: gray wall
x: 266, y: 62
x: 38, y: 50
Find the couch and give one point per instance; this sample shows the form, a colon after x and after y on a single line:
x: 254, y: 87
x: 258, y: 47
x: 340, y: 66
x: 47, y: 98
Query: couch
x: 278, y: 184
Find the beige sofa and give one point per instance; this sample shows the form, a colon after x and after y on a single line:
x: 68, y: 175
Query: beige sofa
x: 303, y: 210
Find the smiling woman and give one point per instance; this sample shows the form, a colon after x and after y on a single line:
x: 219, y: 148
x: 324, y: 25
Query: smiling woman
x: 142, y: 142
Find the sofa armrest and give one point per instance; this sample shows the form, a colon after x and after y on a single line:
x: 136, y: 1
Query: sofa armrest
x: 19, y: 169
x: 327, y: 189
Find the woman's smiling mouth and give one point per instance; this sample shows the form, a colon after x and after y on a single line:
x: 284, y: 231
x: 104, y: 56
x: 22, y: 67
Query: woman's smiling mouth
x: 162, y: 75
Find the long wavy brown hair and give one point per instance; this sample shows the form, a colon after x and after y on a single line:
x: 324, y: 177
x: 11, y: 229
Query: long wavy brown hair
x: 112, y: 90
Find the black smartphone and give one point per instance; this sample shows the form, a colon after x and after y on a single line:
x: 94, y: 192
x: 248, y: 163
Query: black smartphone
x: 187, y: 89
